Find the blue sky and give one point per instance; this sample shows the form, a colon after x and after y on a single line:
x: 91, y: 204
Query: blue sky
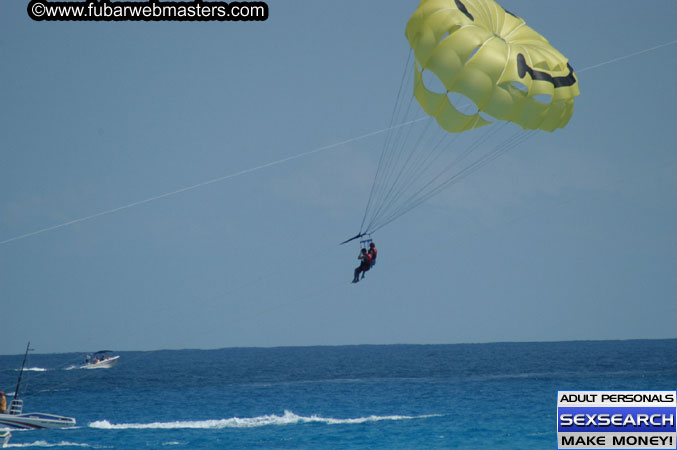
x: 569, y: 237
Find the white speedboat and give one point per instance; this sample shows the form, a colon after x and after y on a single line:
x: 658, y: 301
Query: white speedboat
x: 4, y: 437
x: 16, y: 418
x: 100, y: 360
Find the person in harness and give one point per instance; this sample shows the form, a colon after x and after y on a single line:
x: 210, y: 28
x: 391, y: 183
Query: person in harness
x: 372, y: 252
x: 365, y: 264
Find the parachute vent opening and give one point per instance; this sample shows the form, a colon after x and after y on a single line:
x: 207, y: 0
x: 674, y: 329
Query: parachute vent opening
x: 451, y: 31
x: 470, y: 56
x: 432, y: 82
x: 486, y: 116
x: 514, y: 87
x: 462, y: 103
x: 543, y: 98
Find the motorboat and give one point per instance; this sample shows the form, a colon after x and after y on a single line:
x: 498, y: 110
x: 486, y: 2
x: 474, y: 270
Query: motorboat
x: 100, y: 360
x: 16, y: 418
x: 4, y: 437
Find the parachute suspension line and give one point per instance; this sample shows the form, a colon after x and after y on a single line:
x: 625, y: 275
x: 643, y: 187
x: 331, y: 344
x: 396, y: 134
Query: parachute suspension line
x: 389, y: 134
x: 424, y: 162
x: 514, y: 141
x: 433, y: 186
x: 413, y: 197
x: 421, y: 165
x: 455, y: 177
x: 425, y: 165
x: 402, y: 164
x: 389, y: 184
x: 392, y: 155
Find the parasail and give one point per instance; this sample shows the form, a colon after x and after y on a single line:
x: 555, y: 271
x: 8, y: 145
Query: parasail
x: 477, y: 69
x: 477, y: 48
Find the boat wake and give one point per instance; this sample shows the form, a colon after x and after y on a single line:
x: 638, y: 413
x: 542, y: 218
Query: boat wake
x: 289, y: 418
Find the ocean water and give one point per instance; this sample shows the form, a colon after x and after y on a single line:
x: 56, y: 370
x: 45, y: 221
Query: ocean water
x: 466, y: 396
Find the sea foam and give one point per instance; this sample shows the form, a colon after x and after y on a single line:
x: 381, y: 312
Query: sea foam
x: 288, y: 418
x: 45, y: 444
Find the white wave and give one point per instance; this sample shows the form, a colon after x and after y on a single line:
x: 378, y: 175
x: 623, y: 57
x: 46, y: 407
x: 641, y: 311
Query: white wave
x: 47, y: 444
x: 289, y: 418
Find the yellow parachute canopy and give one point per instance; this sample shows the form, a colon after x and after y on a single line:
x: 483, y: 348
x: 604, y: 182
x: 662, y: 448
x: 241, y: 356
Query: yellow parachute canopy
x: 478, y: 49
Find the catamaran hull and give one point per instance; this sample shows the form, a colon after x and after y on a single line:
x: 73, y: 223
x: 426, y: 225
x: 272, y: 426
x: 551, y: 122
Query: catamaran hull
x: 32, y: 421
